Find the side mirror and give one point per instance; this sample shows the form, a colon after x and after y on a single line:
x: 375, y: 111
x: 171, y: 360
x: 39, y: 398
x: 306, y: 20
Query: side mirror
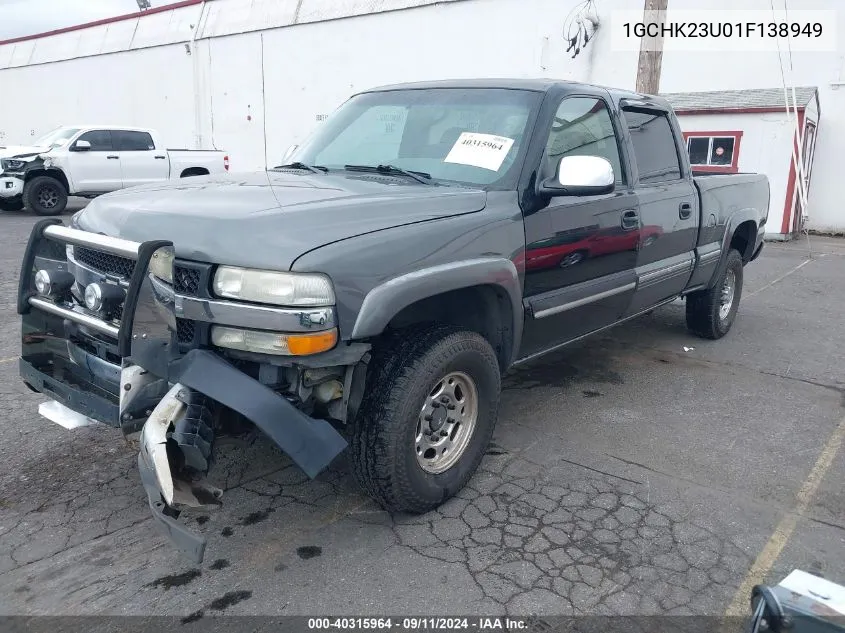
x: 580, y: 176
x: 81, y: 146
x: 289, y: 152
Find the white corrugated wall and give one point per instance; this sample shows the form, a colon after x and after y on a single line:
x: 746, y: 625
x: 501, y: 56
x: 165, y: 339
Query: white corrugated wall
x: 262, y: 71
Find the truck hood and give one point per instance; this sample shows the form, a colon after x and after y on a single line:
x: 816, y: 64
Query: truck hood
x: 21, y: 151
x: 267, y: 220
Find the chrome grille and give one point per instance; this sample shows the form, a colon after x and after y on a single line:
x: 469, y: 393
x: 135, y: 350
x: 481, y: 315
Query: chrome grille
x: 104, y: 262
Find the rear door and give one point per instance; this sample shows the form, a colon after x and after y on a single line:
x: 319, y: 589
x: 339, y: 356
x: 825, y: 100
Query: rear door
x: 96, y: 170
x: 668, y: 206
x: 580, y: 256
x: 141, y: 161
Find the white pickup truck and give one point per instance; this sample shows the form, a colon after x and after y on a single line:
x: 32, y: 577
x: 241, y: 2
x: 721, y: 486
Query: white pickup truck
x: 89, y: 160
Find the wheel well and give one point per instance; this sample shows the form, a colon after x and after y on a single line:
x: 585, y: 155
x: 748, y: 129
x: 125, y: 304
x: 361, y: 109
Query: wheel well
x: 483, y: 309
x: 744, y: 239
x: 194, y: 171
x: 58, y: 174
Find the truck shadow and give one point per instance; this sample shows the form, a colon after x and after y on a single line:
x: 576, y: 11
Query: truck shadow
x: 592, y: 360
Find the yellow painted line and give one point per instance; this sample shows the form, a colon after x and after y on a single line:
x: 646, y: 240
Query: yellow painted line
x: 777, y: 541
x: 779, y: 279
x: 8, y: 360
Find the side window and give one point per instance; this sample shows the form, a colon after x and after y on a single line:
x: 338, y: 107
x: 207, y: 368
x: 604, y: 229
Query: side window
x: 582, y: 127
x: 654, y: 145
x: 128, y: 141
x: 100, y: 140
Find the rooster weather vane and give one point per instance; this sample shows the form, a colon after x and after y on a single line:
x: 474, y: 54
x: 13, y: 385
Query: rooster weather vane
x: 580, y: 26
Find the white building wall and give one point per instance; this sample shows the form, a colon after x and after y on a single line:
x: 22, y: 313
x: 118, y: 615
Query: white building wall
x: 149, y: 88
x: 766, y: 147
x: 459, y: 39
x: 315, y: 53
x: 312, y: 61
x: 684, y: 71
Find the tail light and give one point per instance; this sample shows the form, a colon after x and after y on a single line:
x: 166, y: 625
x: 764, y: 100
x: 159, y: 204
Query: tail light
x: 226, y: 163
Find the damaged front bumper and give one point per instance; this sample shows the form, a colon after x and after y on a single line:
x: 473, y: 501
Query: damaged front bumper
x: 133, y: 368
x: 10, y: 186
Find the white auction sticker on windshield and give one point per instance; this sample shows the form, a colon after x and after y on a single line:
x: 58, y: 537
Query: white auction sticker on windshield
x: 487, y: 151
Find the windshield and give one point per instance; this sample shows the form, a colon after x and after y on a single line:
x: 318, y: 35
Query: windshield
x: 470, y: 136
x: 57, y: 138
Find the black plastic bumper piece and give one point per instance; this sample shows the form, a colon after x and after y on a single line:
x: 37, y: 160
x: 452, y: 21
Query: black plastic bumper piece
x: 84, y: 402
x: 311, y: 443
x: 190, y: 544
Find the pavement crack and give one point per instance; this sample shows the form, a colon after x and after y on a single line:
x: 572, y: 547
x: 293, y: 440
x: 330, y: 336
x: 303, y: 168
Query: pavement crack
x: 601, y: 472
x: 720, y: 363
x: 808, y: 381
x: 823, y: 522
x: 68, y: 548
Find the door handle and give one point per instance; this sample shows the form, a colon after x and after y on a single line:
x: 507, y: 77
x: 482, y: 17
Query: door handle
x: 630, y: 220
x: 160, y: 157
x: 685, y: 210
x: 112, y: 157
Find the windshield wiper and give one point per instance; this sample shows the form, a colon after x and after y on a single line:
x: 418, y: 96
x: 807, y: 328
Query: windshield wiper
x: 314, y: 169
x: 419, y: 176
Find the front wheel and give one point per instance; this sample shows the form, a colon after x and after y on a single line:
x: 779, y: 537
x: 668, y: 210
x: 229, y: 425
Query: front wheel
x: 427, y: 417
x: 45, y: 196
x: 711, y: 312
x: 11, y: 204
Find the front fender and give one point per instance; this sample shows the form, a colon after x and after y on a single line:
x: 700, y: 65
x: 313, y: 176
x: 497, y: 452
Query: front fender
x: 385, y: 301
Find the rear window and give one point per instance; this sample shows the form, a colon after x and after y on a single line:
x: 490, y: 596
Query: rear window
x: 654, y: 145
x: 128, y: 141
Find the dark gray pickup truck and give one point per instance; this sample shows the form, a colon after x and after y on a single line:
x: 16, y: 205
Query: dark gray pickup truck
x: 372, y: 291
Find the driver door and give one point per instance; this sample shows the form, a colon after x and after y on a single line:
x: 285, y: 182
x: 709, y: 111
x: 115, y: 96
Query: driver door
x: 581, y: 251
x: 96, y: 170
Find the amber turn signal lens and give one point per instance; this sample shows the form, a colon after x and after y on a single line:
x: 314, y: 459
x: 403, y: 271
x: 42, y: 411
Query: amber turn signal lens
x: 305, y: 344
x: 263, y: 342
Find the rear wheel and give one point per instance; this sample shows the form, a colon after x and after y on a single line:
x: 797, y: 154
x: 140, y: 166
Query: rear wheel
x: 427, y: 417
x: 45, y: 196
x: 711, y: 312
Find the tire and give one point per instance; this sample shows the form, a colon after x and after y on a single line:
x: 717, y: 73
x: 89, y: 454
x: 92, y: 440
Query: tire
x: 386, y: 436
x: 14, y: 204
x: 705, y: 314
x: 45, y: 195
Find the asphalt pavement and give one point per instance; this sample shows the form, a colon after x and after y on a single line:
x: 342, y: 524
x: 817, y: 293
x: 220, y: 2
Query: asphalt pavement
x: 645, y: 471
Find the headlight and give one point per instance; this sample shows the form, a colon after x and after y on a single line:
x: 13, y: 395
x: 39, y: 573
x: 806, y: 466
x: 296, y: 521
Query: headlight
x: 161, y: 264
x: 12, y: 165
x: 273, y: 342
x: 264, y: 286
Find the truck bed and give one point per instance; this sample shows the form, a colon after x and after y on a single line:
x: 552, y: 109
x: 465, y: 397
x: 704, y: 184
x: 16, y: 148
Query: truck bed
x: 723, y: 195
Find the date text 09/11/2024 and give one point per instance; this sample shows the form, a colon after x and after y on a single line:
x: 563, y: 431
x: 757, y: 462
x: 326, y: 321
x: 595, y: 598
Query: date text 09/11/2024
x: 418, y: 624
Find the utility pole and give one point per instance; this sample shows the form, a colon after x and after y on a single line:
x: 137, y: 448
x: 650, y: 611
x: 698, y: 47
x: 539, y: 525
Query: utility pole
x: 651, y: 49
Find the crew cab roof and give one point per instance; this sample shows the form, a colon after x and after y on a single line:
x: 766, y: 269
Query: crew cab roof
x: 534, y: 85
x: 130, y: 128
